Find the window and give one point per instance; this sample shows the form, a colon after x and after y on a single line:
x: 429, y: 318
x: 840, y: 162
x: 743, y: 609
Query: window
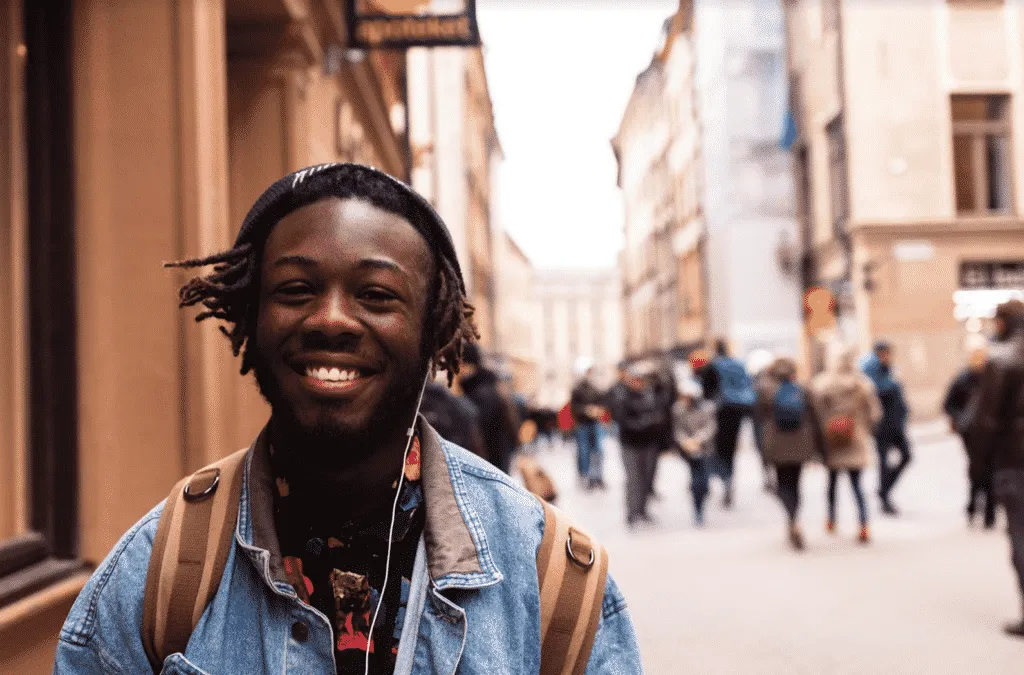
x: 982, y: 154
x: 836, y: 139
x: 38, y: 423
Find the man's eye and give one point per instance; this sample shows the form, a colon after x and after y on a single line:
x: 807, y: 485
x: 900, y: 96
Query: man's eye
x: 293, y: 291
x: 377, y: 295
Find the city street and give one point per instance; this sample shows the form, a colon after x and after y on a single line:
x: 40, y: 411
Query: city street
x: 927, y: 596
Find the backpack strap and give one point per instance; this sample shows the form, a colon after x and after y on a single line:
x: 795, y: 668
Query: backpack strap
x: 190, y: 550
x: 572, y: 568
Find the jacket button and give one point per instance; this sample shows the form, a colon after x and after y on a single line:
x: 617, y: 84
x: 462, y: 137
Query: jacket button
x: 300, y: 631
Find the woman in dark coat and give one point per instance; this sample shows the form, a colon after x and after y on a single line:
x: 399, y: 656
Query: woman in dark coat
x: 792, y: 435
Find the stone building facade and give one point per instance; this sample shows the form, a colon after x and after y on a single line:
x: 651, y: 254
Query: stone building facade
x: 911, y: 169
x: 456, y: 162
x: 581, y: 320
x: 134, y: 133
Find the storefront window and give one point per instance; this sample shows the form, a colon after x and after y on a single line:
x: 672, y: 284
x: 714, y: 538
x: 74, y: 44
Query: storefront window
x: 38, y: 370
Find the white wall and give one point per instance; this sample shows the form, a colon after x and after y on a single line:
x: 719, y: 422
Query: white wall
x: 748, y: 188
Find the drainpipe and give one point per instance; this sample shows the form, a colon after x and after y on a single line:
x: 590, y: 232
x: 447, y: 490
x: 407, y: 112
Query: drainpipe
x: 843, y: 236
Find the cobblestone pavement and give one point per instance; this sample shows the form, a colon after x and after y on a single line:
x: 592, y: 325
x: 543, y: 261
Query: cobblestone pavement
x: 927, y: 596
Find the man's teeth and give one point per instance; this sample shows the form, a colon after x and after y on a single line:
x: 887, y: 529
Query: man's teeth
x: 332, y: 374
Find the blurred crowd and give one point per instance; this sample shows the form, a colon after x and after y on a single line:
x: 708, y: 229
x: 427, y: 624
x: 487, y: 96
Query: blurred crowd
x: 851, y: 415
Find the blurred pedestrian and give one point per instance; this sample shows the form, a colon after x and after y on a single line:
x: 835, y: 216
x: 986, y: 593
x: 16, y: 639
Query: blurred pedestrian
x: 997, y: 429
x: 735, y: 402
x: 665, y: 391
x: 454, y: 417
x: 585, y: 405
x: 635, y: 408
x: 693, y: 428
x: 498, y: 418
x: 792, y: 436
x: 957, y: 407
x: 704, y: 373
x: 547, y: 425
x: 848, y: 409
x: 892, y: 430
x: 757, y: 364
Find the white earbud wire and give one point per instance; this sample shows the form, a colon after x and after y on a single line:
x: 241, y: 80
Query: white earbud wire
x: 394, y: 514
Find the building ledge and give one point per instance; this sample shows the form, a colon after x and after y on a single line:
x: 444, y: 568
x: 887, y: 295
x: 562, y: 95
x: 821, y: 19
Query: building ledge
x: 950, y: 226
x: 60, y: 593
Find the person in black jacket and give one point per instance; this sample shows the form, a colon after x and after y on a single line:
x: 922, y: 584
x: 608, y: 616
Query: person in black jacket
x: 957, y: 408
x: 640, y: 415
x: 585, y: 405
x: 995, y: 427
x: 498, y: 418
x: 704, y: 372
x: 455, y: 418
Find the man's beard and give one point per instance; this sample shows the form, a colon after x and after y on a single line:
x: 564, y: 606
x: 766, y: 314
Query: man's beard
x: 324, y: 442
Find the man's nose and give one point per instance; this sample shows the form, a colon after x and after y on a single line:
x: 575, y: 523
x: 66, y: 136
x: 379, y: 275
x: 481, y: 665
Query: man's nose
x: 335, y: 314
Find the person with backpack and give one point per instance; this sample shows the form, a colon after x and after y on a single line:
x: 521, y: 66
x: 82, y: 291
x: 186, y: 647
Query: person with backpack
x: 735, y: 402
x: 349, y: 537
x: 757, y: 365
x: 848, y: 410
x: 891, y: 431
x: 957, y: 406
x: 998, y: 429
x: 792, y: 436
x: 693, y: 429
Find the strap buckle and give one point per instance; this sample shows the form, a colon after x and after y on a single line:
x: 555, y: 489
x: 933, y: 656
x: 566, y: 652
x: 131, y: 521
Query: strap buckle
x: 572, y: 556
x: 210, y: 489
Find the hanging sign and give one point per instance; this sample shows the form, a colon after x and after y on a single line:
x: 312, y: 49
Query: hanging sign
x: 997, y: 274
x: 412, y: 23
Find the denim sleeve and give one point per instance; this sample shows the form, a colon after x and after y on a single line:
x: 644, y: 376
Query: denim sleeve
x: 616, y: 651
x: 103, y: 632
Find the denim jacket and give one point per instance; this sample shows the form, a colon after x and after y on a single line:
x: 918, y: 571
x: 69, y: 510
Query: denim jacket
x: 474, y: 605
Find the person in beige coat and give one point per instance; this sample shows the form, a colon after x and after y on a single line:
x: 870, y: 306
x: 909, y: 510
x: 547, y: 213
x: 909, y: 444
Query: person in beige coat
x: 848, y: 408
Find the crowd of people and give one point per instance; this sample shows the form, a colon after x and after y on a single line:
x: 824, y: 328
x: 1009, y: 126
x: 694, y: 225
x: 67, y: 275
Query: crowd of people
x: 835, y: 419
x: 850, y: 416
x: 985, y: 405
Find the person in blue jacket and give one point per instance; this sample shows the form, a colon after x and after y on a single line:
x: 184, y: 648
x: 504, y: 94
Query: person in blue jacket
x: 892, y: 430
x: 735, y: 401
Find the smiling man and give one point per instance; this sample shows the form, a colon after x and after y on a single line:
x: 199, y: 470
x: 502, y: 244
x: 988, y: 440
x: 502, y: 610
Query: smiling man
x: 354, y: 539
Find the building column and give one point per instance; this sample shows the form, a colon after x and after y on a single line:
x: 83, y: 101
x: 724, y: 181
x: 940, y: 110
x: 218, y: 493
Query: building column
x: 150, y: 186
x: 269, y: 75
x: 205, y: 228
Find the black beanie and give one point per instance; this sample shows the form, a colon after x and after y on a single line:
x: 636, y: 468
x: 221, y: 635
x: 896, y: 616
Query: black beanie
x: 342, y: 180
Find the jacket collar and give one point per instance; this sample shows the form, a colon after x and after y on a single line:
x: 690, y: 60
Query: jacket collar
x: 458, y: 555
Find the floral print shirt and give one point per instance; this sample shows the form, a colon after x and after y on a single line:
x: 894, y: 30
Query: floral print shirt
x: 340, y: 569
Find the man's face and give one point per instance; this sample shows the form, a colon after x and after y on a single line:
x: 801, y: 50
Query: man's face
x: 885, y: 356
x: 343, y: 298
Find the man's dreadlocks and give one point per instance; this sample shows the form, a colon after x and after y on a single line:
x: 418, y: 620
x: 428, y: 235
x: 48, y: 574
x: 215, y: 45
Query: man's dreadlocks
x: 231, y: 291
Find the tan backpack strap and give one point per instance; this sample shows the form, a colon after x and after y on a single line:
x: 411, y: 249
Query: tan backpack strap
x: 190, y: 550
x: 572, y: 568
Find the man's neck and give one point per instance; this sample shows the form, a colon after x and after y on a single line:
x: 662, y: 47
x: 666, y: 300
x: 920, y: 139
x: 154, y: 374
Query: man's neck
x: 348, y: 491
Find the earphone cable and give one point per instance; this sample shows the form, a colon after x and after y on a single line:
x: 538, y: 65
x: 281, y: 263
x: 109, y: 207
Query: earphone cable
x: 394, y: 514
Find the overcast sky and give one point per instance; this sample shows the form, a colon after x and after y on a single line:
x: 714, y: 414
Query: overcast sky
x: 560, y: 74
